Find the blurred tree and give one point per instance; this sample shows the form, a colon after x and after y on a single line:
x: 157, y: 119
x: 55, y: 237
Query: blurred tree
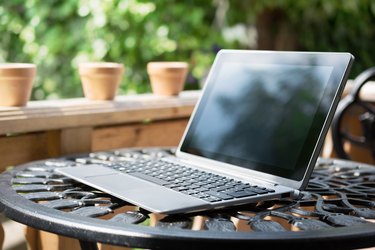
x: 316, y: 25
x: 57, y: 35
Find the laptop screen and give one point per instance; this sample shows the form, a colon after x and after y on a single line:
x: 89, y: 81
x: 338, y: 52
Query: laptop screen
x: 264, y: 112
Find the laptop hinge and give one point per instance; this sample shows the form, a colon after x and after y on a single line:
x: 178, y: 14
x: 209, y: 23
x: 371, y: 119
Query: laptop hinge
x: 296, y: 194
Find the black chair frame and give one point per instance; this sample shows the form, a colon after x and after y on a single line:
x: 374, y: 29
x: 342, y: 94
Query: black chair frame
x: 367, y: 118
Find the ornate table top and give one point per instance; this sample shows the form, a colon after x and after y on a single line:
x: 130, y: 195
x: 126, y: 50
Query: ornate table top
x: 337, y: 210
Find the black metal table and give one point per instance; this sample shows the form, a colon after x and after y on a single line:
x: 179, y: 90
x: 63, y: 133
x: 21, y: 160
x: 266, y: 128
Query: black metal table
x: 337, y: 210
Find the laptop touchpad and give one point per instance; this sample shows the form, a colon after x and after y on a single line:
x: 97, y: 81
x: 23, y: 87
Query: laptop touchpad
x: 117, y: 181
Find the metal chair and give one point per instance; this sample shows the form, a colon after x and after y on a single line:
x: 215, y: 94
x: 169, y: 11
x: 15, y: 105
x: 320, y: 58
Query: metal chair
x: 359, y: 130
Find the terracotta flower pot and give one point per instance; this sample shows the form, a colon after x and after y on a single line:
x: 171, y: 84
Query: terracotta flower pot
x: 16, y: 83
x: 167, y: 78
x: 100, y: 80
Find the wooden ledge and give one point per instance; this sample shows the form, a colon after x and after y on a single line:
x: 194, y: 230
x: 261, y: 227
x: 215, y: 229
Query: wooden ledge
x: 69, y: 113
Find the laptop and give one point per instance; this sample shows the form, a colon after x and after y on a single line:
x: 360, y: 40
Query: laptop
x: 255, y: 134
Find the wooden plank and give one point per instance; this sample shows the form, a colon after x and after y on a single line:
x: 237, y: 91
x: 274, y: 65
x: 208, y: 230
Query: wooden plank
x: 163, y: 133
x: 97, y: 119
x: 32, y: 237
x: 53, y: 145
x: 75, y: 140
x: 50, y: 241
x: 1, y: 236
x: 21, y: 149
x: 54, y: 115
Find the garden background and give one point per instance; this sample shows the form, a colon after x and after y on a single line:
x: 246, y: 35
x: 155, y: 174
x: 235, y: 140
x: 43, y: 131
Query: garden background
x: 57, y: 35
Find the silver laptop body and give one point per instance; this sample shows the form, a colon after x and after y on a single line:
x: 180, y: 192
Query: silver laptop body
x: 261, y: 119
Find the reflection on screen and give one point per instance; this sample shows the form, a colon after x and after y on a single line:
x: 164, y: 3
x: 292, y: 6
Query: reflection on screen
x: 259, y: 114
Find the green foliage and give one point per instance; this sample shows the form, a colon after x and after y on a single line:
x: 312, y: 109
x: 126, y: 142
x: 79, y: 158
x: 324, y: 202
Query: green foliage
x: 328, y: 25
x: 57, y: 35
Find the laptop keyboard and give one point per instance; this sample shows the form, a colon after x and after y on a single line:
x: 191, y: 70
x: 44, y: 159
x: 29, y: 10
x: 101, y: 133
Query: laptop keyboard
x: 200, y: 184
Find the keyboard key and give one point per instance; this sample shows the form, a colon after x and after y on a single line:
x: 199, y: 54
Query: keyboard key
x: 219, y: 189
x: 190, y: 191
x: 201, y: 189
x: 211, y: 199
x: 171, y: 185
x: 219, y: 195
x: 180, y: 188
x: 241, y: 194
x: 270, y: 190
x: 256, y: 190
x: 149, y: 178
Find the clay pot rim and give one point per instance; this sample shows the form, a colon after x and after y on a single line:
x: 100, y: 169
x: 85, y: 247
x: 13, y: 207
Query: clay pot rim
x: 17, y: 69
x: 166, y: 67
x: 168, y: 64
x: 100, y: 68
